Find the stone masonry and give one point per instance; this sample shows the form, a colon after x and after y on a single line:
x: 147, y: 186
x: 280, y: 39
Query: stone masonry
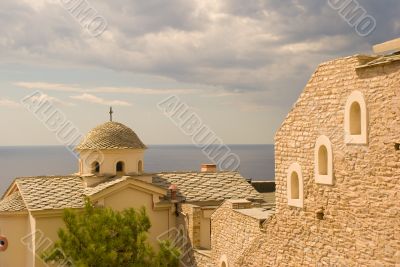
x: 359, y: 221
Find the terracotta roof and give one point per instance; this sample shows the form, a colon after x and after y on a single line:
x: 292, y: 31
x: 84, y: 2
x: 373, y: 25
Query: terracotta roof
x: 51, y: 192
x: 111, y: 135
x: 207, y: 186
x: 13, y: 202
x: 59, y: 192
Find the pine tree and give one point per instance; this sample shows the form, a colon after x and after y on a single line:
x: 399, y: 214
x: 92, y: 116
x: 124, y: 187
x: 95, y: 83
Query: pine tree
x: 102, y: 237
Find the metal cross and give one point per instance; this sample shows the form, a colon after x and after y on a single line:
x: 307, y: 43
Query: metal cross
x: 111, y: 114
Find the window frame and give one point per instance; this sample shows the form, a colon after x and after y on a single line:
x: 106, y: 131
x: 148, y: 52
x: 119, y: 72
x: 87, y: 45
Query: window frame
x: 321, y: 178
x: 123, y: 167
x: 299, y: 203
x: 356, y: 96
x: 95, y: 167
x: 223, y: 260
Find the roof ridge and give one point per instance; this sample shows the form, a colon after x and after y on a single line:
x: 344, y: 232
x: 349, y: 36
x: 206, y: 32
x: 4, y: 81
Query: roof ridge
x: 45, y: 176
x: 13, y: 202
x: 22, y: 197
x: 167, y: 172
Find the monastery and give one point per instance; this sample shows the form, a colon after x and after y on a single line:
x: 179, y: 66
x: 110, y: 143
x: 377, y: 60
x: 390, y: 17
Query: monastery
x: 337, y: 175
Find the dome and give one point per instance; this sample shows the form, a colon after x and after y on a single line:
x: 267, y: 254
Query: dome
x: 111, y: 135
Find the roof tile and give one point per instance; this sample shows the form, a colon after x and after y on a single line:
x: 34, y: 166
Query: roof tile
x: 111, y: 135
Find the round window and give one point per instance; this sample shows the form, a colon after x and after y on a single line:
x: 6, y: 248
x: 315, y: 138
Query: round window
x: 3, y: 243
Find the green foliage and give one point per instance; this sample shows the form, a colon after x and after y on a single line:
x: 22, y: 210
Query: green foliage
x: 102, y: 237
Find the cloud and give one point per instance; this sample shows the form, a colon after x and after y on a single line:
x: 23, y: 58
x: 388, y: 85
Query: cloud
x: 4, y: 102
x: 97, y: 100
x: 44, y: 97
x: 48, y: 86
x: 264, y: 46
x: 142, y: 91
x: 125, y: 90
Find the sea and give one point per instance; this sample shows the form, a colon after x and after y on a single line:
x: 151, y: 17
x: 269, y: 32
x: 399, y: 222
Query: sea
x: 256, y: 161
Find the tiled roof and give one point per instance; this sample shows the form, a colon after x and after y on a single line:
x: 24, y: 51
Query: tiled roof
x: 59, y: 192
x: 202, y: 186
x: 89, y: 191
x: 111, y: 135
x: 13, y: 202
x: 51, y: 192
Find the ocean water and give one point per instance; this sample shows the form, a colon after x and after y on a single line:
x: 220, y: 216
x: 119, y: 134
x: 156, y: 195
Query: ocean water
x: 256, y: 161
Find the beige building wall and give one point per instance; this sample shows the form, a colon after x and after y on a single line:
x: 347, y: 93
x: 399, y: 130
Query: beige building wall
x: 47, y: 226
x: 15, y: 227
x: 108, y: 160
x: 162, y: 219
x: 205, y: 228
x: 40, y: 228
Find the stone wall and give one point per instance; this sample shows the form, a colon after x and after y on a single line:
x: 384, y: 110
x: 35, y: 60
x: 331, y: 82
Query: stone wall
x: 193, y: 214
x: 361, y: 225
x: 231, y: 233
x: 202, y: 258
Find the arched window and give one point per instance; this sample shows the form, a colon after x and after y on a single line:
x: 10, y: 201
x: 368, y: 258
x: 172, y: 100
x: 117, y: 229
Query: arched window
x: 295, y: 186
x: 223, y: 261
x: 356, y: 119
x: 140, y: 166
x: 323, y: 161
x: 120, y: 167
x: 95, y: 167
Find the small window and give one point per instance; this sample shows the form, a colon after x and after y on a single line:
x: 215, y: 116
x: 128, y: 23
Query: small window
x: 356, y: 119
x: 95, y: 167
x: 140, y: 166
x: 120, y: 167
x: 223, y: 261
x: 3, y: 243
x: 323, y: 161
x: 295, y: 186
x: 294, y: 190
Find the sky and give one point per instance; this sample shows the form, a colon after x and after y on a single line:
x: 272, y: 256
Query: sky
x: 239, y: 65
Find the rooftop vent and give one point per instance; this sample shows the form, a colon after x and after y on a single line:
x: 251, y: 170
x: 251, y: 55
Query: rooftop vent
x: 208, y: 168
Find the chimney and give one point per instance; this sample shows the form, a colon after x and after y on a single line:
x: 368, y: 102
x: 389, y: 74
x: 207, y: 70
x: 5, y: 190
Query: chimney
x: 173, y: 190
x: 208, y: 168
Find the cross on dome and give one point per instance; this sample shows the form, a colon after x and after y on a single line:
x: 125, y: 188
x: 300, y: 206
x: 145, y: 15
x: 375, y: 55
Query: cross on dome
x: 111, y: 113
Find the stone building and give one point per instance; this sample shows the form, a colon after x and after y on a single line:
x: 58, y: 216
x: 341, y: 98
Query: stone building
x: 111, y: 174
x: 337, y: 177
x: 337, y: 199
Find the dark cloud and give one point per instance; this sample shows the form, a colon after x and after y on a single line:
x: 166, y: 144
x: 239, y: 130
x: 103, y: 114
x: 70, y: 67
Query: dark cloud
x: 265, y: 46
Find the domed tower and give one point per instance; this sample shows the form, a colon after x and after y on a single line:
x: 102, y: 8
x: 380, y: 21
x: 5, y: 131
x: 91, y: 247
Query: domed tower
x: 111, y: 149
